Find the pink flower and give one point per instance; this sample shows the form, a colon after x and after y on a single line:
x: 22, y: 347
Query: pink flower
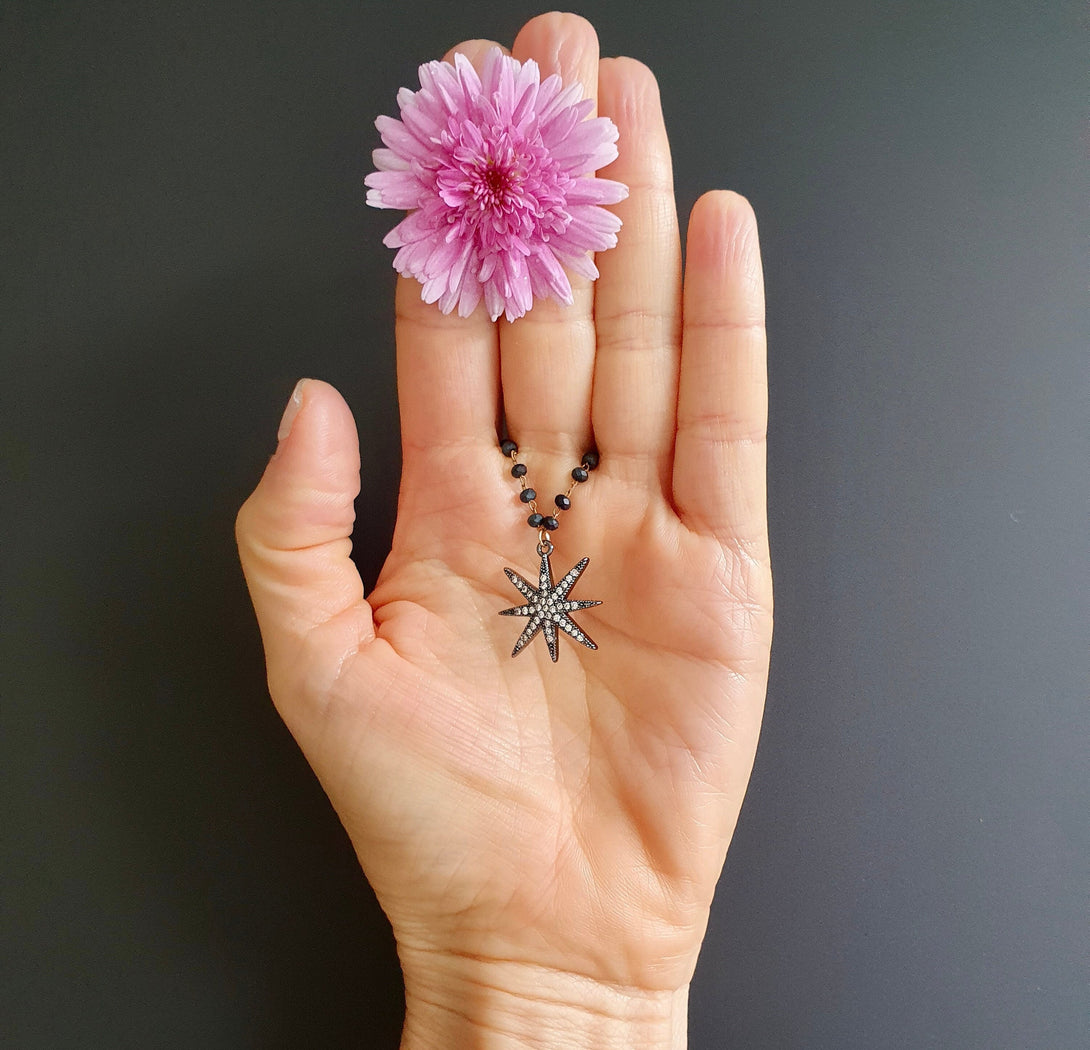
x: 495, y: 172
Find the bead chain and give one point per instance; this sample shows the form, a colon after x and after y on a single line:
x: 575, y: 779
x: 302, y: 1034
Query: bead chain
x: 537, y: 520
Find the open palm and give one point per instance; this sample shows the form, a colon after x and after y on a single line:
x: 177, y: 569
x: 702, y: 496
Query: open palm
x: 572, y: 816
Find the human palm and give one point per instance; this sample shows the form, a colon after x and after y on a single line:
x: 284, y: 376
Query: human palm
x: 569, y: 817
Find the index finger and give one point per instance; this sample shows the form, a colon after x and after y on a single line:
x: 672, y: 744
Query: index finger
x: 447, y: 365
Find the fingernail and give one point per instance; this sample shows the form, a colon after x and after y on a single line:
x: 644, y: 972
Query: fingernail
x: 295, y: 402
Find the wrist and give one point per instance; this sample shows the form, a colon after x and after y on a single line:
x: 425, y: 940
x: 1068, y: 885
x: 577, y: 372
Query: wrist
x: 470, y: 1003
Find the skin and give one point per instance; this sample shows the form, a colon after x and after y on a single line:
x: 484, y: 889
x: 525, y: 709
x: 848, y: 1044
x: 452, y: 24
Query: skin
x: 545, y: 838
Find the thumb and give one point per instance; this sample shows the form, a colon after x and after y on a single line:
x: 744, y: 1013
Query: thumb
x: 294, y: 532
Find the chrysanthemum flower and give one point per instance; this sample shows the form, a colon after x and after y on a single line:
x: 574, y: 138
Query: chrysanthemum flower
x: 496, y: 173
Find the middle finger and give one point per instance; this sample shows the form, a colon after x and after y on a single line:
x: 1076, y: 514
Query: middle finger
x: 547, y: 356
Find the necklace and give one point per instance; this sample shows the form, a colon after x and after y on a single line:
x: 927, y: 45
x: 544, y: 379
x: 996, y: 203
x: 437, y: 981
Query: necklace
x: 547, y: 604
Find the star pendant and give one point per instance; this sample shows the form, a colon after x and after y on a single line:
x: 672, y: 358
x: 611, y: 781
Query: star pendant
x: 548, y: 607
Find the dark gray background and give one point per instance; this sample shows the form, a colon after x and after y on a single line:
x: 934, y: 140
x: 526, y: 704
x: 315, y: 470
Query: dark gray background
x: 184, y: 234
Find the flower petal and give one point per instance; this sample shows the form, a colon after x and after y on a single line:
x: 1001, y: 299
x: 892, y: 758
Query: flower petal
x: 592, y: 190
x: 388, y: 160
x: 493, y: 300
x: 393, y: 189
x: 587, y: 147
x: 544, y: 265
x: 401, y: 140
x: 580, y: 264
x: 468, y: 79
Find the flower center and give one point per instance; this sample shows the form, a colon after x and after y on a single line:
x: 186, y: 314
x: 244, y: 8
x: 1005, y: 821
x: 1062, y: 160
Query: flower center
x: 500, y: 187
x: 494, y: 185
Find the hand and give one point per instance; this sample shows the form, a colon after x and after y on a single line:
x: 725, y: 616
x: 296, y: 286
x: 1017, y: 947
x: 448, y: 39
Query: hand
x: 545, y: 838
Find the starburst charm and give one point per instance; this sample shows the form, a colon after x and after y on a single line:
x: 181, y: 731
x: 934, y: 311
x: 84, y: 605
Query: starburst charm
x: 548, y: 606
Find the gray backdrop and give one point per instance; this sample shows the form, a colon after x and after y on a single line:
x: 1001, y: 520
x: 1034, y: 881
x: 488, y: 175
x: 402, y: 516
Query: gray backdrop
x: 184, y: 234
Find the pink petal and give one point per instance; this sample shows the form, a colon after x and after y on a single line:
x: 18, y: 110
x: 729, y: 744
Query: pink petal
x: 388, y: 160
x: 440, y: 81
x: 518, y: 289
x: 470, y: 294
x: 579, y: 263
x: 468, y: 79
x: 421, y: 123
x: 393, y: 189
x: 559, y: 98
x: 526, y: 93
x: 492, y: 71
x: 433, y: 289
x: 411, y: 229
x: 443, y: 256
x: 401, y: 140
x: 493, y: 301
x: 544, y: 265
x: 588, y: 147
x: 591, y: 190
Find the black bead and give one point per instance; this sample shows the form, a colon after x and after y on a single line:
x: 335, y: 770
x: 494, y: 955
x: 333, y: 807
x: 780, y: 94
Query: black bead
x: 550, y: 524
x: 590, y: 460
x: 508, y: 447
x: 579, y: 474
x: 563, y: 502
x: 518, y: 470
x: 527, y: 494
x: 535, y: 520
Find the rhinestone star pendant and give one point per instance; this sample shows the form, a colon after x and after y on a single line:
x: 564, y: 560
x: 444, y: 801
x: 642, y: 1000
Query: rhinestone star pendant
x: 548, y: 607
